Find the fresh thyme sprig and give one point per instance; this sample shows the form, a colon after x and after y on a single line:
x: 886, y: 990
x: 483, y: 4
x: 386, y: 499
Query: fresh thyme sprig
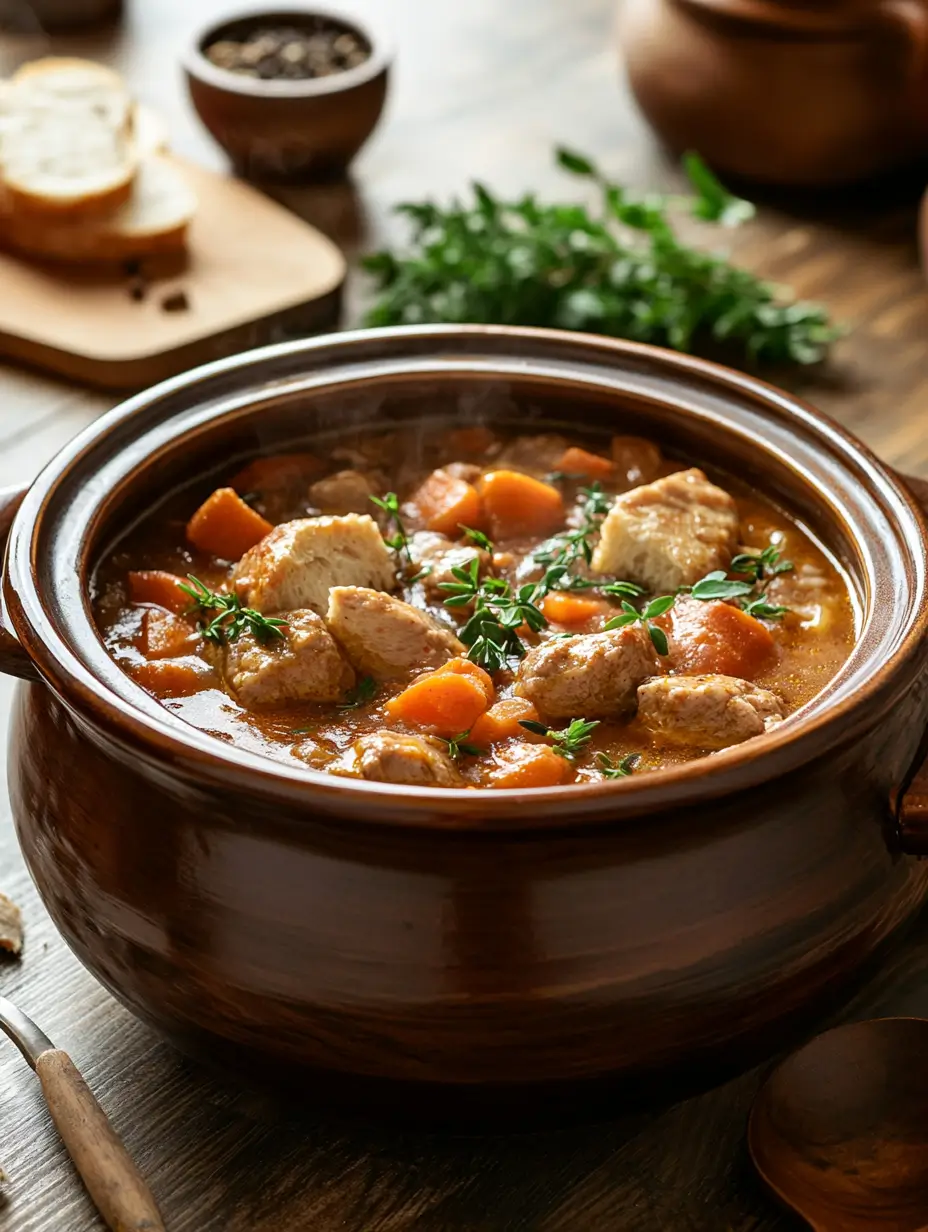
x: 229, y: 619
x: 363, y: 692
x: 763, y: 566
x: 560, y: 554
x: 569, y: 741
x: 476, y: 537
x: 459, y: 747
x: 646, y: 617
x: 622, y: 271
x: 621, y: 769
x: 490, y: 632
x: 399, y: 542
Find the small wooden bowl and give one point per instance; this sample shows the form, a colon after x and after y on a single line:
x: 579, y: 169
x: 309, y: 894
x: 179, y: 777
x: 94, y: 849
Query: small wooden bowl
x: 288, y: 131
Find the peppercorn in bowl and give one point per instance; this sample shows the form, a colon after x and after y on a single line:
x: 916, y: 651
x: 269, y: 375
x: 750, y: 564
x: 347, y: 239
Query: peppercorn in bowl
x: 291, y: 95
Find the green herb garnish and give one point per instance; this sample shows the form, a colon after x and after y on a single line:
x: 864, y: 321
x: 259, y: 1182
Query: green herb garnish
x: 620, y: 271
x: 568, y: 741
x: 399, y: 542
x: 716, y: 585
x: 617, y: 770
x: 230, y: 619
x: 477, y: 537
x: 490, y: 632
x: 458, y: 747
x: 364, y: 691
x: 765, y: 565
x: 630, y: 615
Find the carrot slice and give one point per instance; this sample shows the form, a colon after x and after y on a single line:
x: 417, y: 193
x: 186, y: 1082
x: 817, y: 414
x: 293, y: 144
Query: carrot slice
x: 716, y: 638
x: 501, y: 722
x: 174, y: 677
x: 517, y: 504
x: 576, y: 461
x: 566, y: 609
x: 164, y: 635
x: 159, y: 587
x: 446, y: 701
x: 225, y: 526
x: 280, y: 470
x: 527, y: 765
x: 445, y: 503
x: 464, y: 667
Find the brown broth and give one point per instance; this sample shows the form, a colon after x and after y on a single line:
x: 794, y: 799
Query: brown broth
x: 812, y: 641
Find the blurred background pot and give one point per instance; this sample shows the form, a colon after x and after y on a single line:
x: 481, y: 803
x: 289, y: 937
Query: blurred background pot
x: 812, y: 93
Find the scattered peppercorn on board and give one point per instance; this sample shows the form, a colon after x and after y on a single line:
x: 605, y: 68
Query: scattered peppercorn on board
x: 254, y: 273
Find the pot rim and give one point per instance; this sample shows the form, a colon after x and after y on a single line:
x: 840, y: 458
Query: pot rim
x: 168, y: 745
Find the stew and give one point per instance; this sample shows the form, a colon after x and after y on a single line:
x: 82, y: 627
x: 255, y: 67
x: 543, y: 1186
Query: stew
x: 474, y: 609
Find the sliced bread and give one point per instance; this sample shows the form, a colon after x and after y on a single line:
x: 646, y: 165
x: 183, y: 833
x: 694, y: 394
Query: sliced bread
x: 153, y: 220
x: 66, y: 138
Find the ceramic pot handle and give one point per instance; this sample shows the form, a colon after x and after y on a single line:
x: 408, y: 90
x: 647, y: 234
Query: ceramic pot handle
x: 911, y: 805
x: 13, y: 659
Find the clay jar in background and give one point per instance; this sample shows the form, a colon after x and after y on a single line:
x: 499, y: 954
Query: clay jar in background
x: 810, y: 93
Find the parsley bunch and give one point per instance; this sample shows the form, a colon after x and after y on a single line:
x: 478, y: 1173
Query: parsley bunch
x: 621, y: 271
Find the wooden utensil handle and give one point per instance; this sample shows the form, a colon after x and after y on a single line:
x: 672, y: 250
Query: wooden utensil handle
x: 112, y: 1180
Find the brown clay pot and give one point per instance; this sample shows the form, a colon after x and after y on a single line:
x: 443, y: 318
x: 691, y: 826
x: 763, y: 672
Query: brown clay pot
x: 288, y: 131
x: 793, y: 92
x: 453, y: 942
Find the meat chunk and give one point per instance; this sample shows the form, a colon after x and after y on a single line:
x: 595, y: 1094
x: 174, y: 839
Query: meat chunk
x: 590, y: 676
x: 385, y: 637
x: 305, y: 665
x: 668, y: 533
x: 388, y: 757
x: 707, y: 712
x: 439, y: 555
x: 298, y: 563
x: 344, y: 492
x: 538, y: 455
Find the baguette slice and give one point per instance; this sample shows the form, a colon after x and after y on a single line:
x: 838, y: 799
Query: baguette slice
x: 66, y: 138
x: 153, y: 220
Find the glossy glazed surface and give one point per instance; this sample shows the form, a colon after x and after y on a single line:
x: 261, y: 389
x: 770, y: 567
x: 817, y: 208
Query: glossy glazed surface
x: 793, y: 653
x: 250, y: 910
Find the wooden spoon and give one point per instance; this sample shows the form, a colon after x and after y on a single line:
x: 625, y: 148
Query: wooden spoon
x: 112, y: 1180
x: 839, y: 1131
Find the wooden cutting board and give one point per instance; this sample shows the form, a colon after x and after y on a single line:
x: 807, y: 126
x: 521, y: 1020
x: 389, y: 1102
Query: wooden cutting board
x: 255, y: 273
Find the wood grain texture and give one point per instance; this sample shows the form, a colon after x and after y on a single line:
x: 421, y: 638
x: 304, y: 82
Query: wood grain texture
x: 253, y: 272
x: 111, y: 1178
x: 479, y: 90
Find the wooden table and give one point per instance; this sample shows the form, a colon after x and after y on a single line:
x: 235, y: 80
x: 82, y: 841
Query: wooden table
x: 481, y: 89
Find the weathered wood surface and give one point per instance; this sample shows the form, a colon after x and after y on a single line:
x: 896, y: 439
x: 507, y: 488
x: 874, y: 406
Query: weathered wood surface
x: 481, y: 89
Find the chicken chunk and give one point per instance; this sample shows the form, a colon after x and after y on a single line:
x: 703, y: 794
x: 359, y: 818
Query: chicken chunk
x: 707, y: 712
x: 298, y: 563
x: 305, y: 665
x: 535, y: 454
x: 439, y: 556
x: 344, y: 492
x: 668, y: 533
x: 590, y: 676
x: 388, y: 757
x: 384, y: 637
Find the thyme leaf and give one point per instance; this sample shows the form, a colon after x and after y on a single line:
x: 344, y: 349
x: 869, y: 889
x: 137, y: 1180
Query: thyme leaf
x: 227, y: 619
x: 364, y: 691
x: 621, y: 769
x: 399, y: 542
x: 567, y: 742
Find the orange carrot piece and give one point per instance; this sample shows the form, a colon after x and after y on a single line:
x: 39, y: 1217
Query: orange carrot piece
x: 159, y: 587
x: 446, y: 503
x: 501, y: 722
x: 225, y: 526
x: 445, y: 702
x: 527, y: 765
x: 517, y: 504
x: 566, y: 609
x: 474, y: 441
x: 576, y: 461
x: 464, y: 667
x: 164, y: 635
x: 716, y: 638
x: 281, y: 470
x: 174, y: 677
